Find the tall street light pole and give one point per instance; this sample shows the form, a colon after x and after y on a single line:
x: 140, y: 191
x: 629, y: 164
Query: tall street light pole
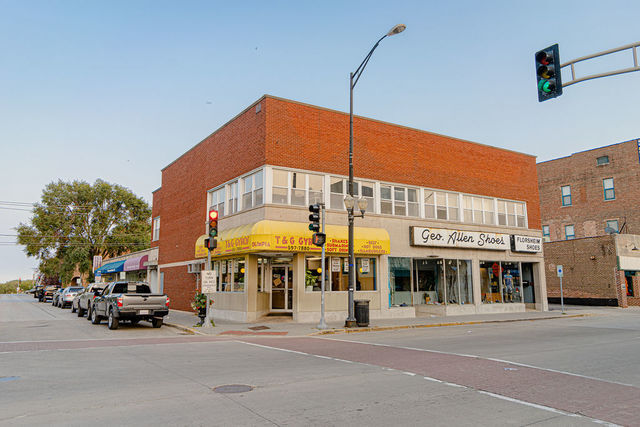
x: 349, y: 200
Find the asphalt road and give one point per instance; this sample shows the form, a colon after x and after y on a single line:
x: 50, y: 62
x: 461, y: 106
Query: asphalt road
x: 57, y: 369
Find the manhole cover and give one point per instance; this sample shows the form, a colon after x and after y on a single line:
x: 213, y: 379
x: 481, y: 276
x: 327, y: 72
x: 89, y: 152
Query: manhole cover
x: 233, y: 388
x: 259, y: 328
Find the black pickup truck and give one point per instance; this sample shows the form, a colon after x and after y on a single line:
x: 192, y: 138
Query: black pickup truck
x: 132, y: 301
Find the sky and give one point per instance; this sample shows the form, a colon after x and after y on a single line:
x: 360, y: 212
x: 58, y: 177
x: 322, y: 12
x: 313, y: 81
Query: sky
x: 116, y: 90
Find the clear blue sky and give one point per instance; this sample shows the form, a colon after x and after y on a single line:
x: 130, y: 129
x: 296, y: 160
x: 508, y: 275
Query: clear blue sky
x: 118, y: 89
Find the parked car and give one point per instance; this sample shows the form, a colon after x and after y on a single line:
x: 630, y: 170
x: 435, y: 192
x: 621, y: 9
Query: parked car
x: 82, y: 302
x: 48, y: 291
x: 54, y: 298
x: 66, y: 296
x: 132, y: 301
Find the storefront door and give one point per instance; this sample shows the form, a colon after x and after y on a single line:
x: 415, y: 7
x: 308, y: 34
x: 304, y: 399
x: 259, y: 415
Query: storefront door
x: 281, y: 288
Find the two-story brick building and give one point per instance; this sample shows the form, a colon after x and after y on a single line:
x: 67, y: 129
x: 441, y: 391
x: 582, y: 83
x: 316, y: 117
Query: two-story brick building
x: 451, y: 226
x: 590, y: 218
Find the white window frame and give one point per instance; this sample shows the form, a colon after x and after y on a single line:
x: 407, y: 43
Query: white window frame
x: 156, y: 229
x: 253, y: 191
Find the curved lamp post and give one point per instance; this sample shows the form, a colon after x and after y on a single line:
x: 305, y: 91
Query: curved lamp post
x: 349, y: 201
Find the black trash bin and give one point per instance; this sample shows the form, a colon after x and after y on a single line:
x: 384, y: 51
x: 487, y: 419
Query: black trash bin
x: 362, y: 312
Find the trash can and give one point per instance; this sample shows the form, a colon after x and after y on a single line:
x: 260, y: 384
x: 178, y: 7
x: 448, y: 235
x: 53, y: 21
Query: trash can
x: 362, y: 312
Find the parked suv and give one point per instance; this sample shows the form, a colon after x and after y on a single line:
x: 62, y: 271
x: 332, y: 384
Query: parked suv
x: 48, y: 291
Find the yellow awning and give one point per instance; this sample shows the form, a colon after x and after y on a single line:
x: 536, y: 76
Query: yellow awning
x: 281, y: 236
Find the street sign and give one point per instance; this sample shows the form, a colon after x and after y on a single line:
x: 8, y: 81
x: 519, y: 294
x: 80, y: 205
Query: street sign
x: 209, y: 281
x: 559, y: 270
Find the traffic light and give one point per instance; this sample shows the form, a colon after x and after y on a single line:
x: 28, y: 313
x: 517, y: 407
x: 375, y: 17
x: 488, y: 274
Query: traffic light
x: 548, y: 73
x: 319, y: 239
x: 314, y: 217
x: 213, y: 223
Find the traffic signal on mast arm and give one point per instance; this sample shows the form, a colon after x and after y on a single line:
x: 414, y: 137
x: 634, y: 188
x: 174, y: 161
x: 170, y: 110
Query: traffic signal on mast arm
x: 213, y: 223
x: 548, y: 73
x: 314, y: 217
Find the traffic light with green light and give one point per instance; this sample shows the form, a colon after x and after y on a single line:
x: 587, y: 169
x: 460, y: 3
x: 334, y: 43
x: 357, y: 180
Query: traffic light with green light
x: 548, y: 73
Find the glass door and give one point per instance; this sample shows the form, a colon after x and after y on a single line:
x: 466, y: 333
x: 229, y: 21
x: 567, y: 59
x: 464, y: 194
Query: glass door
x: 281, y: 288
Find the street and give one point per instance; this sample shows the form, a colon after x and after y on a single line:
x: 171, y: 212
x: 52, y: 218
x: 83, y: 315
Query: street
x: 58, y: 369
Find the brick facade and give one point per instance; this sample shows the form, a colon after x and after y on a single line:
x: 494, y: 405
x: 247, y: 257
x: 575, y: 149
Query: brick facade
x: 590, y: 261
x: 280, y: 132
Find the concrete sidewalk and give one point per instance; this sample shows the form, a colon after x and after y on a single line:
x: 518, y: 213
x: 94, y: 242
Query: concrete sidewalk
x: 284, y: 326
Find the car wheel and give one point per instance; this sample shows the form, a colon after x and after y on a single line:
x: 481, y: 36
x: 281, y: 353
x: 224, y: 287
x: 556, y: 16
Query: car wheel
x: 113, y: 322
x: 73, y: 308
x: 156, y: 322
x: 89, y: 313
x: 80, y: 311
x: 95, y: 319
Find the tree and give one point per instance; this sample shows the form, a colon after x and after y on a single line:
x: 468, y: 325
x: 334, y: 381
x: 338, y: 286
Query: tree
x: 76, y: 221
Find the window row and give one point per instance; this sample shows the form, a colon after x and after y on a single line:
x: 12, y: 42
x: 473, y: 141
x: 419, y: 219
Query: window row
x: 337, y: 276
x: 610, y: 226
x: 607, y: 188
x: 302, y: 189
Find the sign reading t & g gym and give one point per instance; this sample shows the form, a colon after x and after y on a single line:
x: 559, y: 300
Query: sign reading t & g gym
x: 422, y: 236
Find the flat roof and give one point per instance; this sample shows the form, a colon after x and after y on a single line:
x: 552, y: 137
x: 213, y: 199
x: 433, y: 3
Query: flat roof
x: 590, y: 149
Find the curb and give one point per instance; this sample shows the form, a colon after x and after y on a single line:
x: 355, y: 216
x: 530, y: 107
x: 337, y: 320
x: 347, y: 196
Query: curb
x: 436, y: 325
x: 185, y: 329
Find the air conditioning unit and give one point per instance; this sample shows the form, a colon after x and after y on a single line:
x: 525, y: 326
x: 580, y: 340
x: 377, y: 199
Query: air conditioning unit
x: 194, y: 268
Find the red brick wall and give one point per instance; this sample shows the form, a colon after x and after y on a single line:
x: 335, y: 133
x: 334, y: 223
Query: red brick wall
x: 589, y: 211
x: 583, y: 277
x: 180, y: 286
x: 308, y: 137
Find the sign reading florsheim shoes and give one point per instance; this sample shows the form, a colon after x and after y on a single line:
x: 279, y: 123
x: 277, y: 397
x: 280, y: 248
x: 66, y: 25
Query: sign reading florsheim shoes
x: 423, y: 236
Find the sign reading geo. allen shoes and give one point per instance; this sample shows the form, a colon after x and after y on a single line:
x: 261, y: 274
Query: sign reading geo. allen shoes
x: 423, y: 236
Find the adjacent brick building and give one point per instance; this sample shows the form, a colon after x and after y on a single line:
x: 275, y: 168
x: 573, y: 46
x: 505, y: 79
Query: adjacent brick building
x: 585, y: 199
x: 277, y: 156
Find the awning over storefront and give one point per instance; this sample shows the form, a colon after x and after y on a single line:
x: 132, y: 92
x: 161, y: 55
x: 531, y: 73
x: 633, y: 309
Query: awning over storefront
x: 112, y: 267
x: 137, y: 263
x: 281, y: 236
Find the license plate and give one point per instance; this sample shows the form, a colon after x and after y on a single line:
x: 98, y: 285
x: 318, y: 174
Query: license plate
x: 144, y: 312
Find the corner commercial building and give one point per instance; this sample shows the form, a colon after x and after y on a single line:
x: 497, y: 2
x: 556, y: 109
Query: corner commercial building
x: 591, y: 224
x: 452, y: 227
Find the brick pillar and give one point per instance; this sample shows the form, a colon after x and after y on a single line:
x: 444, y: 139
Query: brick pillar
x: 636, y: 285
x: 621, y: 289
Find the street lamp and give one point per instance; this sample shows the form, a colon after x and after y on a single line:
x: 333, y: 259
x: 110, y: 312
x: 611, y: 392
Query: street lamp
x: 349, y: 201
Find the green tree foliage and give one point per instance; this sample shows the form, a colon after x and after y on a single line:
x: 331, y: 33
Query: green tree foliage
x: 11, y: 286
x: 76, y: 221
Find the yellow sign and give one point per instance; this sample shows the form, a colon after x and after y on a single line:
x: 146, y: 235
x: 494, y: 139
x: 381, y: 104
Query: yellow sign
x: 280, y: 236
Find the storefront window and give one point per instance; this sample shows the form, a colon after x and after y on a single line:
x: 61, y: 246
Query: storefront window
x: 365, y: 274
x: 232, y: 275
x: 511, y: 283
x: 459, y: 283
x: 400, y: 280
x: 429, y: 287
x: 339, y: 274
x: 490, y: 283
x: 238, y: 275
x: 262, y: 269
x: 313, y: 273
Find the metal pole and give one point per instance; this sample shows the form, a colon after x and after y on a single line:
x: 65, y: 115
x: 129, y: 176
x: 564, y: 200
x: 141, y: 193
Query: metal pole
x: 561, y: 297
x: 322, y: 324
x: 207, y: 319
x: 351, y: 320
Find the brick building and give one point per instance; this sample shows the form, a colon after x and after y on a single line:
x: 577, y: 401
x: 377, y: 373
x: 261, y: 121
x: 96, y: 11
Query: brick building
x: 589, y: 206
x: 451, y: 226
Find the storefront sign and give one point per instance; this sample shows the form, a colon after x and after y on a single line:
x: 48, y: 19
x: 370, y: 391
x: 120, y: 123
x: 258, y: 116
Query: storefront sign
x: 345, y: 265
x: 526, y: 244
x: 365, y: 265
x: 421, y: 236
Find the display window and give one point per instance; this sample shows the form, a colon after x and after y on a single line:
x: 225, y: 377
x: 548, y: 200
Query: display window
x: 500, y: 282
x: 231, y: 275
x: 400, y: 281
x: 337, y: 276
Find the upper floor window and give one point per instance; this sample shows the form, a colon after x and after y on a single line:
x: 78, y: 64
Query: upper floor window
x: 339, y: 188
x: 218, y: 200
x: 511, y: 213
x: 546, y: 235
x: 566, y: 195
x: 602, y: 160
x: 609, y: 190
x: 156, y: 228
x: 480, y: 210
x: 569, y: 232
x: 233, y: 197
x: 441, y: 205
x: 296, y: 188
x: 399, y: 201
x: 613, y: 224
x: 252, y: 190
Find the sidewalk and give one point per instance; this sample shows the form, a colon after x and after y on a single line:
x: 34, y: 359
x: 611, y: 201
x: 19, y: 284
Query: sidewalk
x: 280, y: 326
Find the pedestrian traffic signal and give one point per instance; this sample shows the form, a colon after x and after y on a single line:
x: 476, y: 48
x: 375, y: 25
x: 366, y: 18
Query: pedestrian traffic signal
x: 213, y: 223
x: 210, y: 243
x: 314, y: 217
x: 548, y: 73
x: 319, y: 239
